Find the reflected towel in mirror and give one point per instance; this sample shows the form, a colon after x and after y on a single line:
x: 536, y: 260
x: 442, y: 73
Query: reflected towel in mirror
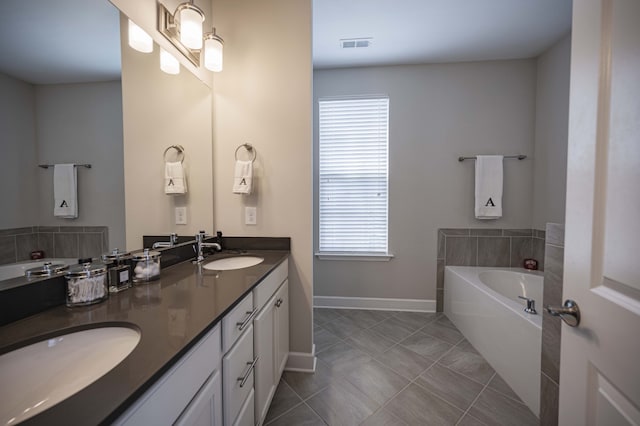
x: 175, y: 181
x: 65, y: 191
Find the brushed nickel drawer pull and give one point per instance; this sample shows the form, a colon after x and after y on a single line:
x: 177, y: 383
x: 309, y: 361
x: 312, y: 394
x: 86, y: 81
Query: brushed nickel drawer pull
x: 251, y: 365
x: 247, y: 321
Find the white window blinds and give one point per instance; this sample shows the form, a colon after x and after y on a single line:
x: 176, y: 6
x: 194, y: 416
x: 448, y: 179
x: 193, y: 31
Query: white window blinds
x: 353, y: 175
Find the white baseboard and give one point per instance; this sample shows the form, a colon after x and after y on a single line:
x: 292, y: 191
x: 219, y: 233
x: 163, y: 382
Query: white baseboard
x: 302, y: 362
x: 411, y: 305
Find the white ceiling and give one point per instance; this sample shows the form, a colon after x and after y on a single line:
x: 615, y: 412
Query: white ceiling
x: 64, y: 41
x: 427, y: 31
x: 59, y: 41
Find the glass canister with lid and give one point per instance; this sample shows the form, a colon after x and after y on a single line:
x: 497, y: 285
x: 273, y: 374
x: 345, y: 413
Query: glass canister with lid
x: 146, y: 266
x: 87, y: 284
x: 119, y: 267
x: 48, y: 269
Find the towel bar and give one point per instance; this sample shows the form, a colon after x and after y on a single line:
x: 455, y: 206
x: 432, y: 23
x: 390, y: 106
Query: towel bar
x: 519, y: 157
x: 249, y: 148
x: 46, y: 166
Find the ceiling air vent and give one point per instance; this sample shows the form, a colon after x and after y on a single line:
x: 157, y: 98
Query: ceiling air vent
x: 355, y: 43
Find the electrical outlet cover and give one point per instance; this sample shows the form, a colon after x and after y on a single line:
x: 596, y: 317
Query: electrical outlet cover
x: 250, y: 215
x: 181, y: 215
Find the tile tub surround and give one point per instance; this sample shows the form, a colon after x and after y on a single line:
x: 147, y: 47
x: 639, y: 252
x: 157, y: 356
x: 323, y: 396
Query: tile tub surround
x: 16, y: 244
x: 485, y: 247
x: 394, y: 368
x: 551, y: 326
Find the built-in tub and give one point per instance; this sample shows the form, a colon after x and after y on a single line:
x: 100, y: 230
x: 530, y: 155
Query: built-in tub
x: 483, y: 303
x: 14, y: 270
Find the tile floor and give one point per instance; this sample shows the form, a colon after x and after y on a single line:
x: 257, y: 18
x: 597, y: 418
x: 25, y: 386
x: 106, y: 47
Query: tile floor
x: 394, y: 368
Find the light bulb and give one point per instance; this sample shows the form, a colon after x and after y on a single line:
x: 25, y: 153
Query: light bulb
x: 139, y: 39
x: 168, y: 63
x: 213, y: 52
x: 190, y: 26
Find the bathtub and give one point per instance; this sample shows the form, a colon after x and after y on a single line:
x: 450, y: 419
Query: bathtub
x: 14, y: 270
x: 483, y: 303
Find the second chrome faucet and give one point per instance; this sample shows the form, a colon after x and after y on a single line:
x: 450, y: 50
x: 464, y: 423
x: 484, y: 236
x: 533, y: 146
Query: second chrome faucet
x: 200, y: 244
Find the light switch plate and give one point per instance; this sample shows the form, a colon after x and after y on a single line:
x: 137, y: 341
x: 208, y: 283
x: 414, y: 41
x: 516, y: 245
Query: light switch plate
x: 181, y: 215
x: 250, y: 215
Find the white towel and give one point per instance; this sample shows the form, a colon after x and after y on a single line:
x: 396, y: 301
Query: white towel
x: 174, y: 179
x: 243, y: 177
x: 65, y: 191
x: 488, y: 186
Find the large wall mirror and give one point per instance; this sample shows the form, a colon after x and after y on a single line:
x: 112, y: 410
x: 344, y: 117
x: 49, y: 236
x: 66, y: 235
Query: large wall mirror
x: 72, y: 93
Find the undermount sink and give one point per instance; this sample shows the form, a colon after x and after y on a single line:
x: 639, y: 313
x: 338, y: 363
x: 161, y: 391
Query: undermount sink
x: 40, y: 375
x: 229, y: 263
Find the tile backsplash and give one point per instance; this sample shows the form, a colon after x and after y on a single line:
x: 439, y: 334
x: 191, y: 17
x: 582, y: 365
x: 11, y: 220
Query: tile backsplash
x: 16, y: 244
x: 486, y: 247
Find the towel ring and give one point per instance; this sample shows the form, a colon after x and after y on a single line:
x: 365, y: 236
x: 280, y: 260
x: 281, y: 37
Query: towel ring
x: 178, y: 148
x: 249, y: 148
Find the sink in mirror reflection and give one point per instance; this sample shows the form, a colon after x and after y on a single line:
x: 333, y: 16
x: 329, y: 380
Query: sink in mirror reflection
x: 44, y: 373
x: 230, y: 263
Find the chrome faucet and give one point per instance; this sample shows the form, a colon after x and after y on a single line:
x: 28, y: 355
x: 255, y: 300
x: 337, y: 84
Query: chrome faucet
x: 200, y: 244
x: 173, y: 240
x: 531, y: 305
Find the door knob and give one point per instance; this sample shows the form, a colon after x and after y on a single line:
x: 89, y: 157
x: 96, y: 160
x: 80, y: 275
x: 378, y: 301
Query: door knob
x: 569, y: 312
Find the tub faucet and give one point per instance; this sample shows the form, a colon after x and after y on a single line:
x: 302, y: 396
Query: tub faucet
x: 200, y: 244
x: 173, y: 240
x: 531, y: 305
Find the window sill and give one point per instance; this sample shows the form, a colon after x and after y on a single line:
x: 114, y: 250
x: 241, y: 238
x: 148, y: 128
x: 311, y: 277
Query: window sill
x: 366, y: 257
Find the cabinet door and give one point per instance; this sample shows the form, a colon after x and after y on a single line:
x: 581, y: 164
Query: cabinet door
x: 162, y: 404
x: 206, y: 408
x: 263, y: 345
x: 282, y: 329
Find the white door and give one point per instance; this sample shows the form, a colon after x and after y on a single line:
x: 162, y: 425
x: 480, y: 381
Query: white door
x: 600, y: 359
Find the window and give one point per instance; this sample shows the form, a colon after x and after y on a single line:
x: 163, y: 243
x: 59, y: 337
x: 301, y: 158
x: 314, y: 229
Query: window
x: 353, y: 175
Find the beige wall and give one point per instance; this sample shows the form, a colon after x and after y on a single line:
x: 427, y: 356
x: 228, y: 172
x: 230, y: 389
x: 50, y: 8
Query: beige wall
x: 264, y: 97
x: 18, y: 162
x: 437, y: 113
x: 552, y: 127
x: 82, y: 123
x: 162, y: 110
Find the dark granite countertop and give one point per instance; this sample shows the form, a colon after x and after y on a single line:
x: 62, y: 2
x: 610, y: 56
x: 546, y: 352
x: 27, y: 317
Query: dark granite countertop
x: 171, y: 314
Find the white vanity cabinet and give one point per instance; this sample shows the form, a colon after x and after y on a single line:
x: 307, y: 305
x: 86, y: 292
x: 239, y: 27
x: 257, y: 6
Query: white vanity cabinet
x: 230, y: 376
x: 189, y: 394
x: 271, y: 337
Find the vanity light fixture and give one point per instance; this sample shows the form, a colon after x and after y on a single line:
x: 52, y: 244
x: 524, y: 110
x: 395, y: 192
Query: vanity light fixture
x: 168, y: 63
x: 190, y: 19
x: 213, y: 46
x: 139, y: 39
x: 184, y: 30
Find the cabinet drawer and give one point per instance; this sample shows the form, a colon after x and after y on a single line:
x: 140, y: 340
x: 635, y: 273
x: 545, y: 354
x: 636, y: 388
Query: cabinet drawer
x: 237, y: 375
x: 236, y: 321
x: 246, y: 416
x: 263, y: 292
